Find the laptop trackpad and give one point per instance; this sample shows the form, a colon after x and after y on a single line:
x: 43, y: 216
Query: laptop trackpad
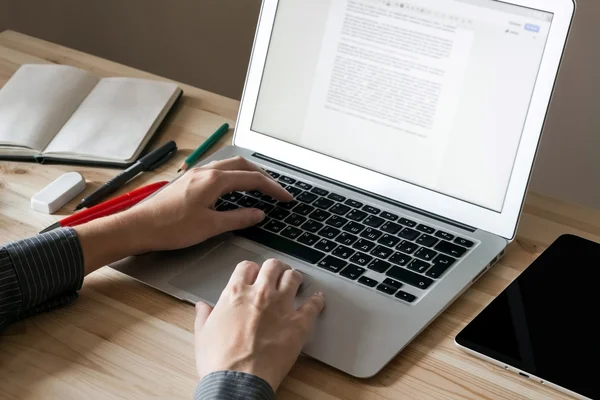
x: 207, y: 276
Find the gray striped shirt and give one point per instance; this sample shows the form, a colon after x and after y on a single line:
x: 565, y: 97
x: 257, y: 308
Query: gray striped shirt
x: 46, y: 271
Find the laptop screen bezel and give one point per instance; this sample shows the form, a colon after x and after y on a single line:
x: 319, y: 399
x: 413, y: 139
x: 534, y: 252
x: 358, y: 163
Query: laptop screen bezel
x: 502, y: 223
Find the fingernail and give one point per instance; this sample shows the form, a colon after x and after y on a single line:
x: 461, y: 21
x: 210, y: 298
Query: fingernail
x: 259, y: 214
x: 319, y: 294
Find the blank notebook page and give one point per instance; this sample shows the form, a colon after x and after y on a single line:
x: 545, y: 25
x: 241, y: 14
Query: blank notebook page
x: 114, y: 121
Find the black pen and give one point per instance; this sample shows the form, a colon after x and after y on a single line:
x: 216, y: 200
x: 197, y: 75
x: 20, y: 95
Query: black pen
x: 149, y: 162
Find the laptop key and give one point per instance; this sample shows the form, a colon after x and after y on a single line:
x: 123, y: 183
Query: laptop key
x: 303, y: 209
x: 323, y: 203
x: 303, y: 185
x: 268, y: 199
x: 275, y: 226
x: 319, y: 191
x: 352, y: 272
x: 450, y: 249
x: 367, y: 281
x: 440, y: 265
x: 325, y: 245
x: 425, y: 228
x: 409, y: 277
x: 407, y: 247
x: 320, y: 215
x: 373, y: 221
x: 409, y: 298
x: 391, y: 228
x: 418, y: 266
x: 364, y: 245
x: 291, y: 232
x: 287, y: 179
x: 312, y: 226
x: 400, y: 259
x: 294, y: 191
x: 426, y: 240
x: 360, y: 258
x: 382, y: 252
x: 274, y: 175
x: 307, y: 197
x: 289, y: 205
x: 226, y: 206
x: 389, y: 216
x: 218, y: 203
x: 343, y: 252
x: 371, y: 234
x: 255, y: 193
x: 295, y: 219
x: 388, y: 240
x: 425, y: 254
x: 247, y: 202
x: 339, y: 209
x: 332, y: 264
x: 407, y: 222
x: 336, y: 197
x: 308, y: 239
x: 386, y: 289
x: 357, y: 215
x: 392, y: 283
x: 279, y: 213
x: 232, y: 197
x: 336, y: 221
x: 266, y: 207
x: 282, y: 244
x: 444, y: 235
x: 329, y: 233
x: 463, y: 242
x: 379, y: 265
x: 408, y: 234
x: 346, y: 238
x: 353, y: 203
x: 354, y: 227
x: 371, y: 210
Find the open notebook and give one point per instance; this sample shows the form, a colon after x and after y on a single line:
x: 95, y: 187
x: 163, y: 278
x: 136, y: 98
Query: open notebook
x: 64, y: 114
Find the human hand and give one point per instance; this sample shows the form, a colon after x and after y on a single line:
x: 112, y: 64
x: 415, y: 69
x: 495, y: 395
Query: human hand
x: 183, y: 214
x: 254, y: 327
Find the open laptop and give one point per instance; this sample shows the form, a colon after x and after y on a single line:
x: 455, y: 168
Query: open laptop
x: 407, y: 132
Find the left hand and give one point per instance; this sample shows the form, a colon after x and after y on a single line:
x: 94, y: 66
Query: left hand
x: 183, y: 214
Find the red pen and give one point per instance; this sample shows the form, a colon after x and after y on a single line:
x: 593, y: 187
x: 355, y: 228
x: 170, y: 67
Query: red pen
x: 109, y: 207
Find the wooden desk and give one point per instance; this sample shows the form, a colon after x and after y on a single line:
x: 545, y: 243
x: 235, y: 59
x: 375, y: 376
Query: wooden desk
x: 122, y: 339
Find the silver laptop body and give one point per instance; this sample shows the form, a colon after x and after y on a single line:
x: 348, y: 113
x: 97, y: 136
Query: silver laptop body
x: 407, y: 131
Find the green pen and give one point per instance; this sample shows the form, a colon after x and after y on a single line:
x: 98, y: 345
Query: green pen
x: 204, y: 147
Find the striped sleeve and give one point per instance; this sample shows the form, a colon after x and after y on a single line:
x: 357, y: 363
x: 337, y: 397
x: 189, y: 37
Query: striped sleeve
x: 39, y: 274
x: 233, y: 385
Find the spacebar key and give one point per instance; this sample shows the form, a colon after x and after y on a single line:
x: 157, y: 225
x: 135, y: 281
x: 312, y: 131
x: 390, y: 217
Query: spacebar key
x: 411, y: 278
x: 282, y: 244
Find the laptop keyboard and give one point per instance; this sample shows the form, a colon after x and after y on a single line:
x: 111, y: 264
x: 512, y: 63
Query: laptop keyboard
x: 357, y: 241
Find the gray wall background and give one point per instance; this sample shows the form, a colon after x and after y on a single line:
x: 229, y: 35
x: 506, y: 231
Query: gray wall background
x: 207, y: 43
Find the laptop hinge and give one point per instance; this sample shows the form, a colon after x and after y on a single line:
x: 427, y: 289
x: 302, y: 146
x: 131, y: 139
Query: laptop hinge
x: 366, y: 193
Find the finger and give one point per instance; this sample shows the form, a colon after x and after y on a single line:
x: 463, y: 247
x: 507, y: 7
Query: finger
x: 244, y: 273
x: 236, y: 164
x: 227, y: 221
x: 231, y: 181
x: 310, y: 310
x: 290, y: 282
x: 271, y: 273
x: 203, y: 311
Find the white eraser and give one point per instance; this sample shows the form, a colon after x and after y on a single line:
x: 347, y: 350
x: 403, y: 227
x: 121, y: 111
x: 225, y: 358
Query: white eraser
x: 58, y: 193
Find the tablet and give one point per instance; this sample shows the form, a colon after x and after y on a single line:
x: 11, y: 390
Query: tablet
x: 544, y: 326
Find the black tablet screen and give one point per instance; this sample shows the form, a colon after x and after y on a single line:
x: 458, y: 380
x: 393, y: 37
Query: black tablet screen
x: 546, y: 322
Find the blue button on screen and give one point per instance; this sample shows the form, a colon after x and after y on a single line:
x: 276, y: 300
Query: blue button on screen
x: 532, y: 28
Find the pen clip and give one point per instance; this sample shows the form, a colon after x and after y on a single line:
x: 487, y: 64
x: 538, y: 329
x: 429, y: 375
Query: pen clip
x: 162, y: 160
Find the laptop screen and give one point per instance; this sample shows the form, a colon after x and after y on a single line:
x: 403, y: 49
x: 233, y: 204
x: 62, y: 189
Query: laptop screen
x: 431, y: 92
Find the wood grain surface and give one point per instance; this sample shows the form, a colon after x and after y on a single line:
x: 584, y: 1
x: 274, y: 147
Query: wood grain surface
x: 123, y: 340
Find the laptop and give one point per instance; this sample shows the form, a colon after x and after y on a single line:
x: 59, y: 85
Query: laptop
x: 407, y: 132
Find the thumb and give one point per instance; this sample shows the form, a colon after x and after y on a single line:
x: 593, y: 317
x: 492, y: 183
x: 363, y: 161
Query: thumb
x: 226, y: 221
x: 311, y: 309
x: 203, y: 311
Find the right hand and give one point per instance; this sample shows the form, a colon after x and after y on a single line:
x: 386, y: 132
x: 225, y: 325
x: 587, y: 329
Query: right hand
x: 254, y: 327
